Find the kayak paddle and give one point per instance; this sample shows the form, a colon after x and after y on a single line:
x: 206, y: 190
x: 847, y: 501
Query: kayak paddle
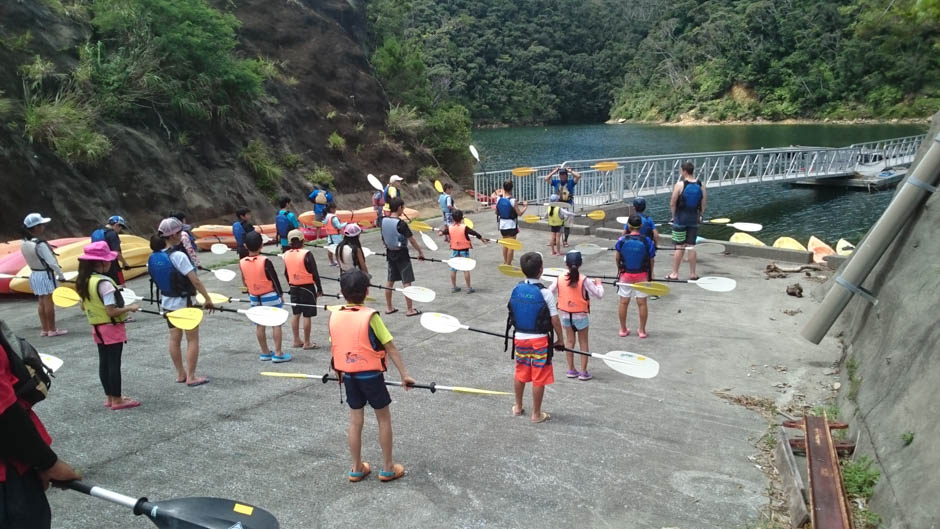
x: 605, y: 166
x: 222, y: 274
x: 69, y: 276
x: 510, y: 270
x: 629, y: 364
x: 589, y: 248
x: 512, y: 244
x: 597, y: 214
x: 413, y: 292
x: 52, y: 363
x: 432, y: 387
x: 462, y: 264
x: 522, y: 171
x: 186, y: 513
x: 428, y: 241
x: 647, y: 287
x: 711, y: 283
x: 438, y: 187
x: 221, y: 249
x: 741, y: 226
x: 186, y: 319
x: 419, y: 225
x: 374, y: 182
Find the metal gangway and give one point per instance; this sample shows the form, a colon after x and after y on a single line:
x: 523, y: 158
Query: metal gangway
x: 651, y: 175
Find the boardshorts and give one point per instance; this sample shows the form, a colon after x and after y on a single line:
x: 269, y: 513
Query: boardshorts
x: 363, y: 388
x: 304, y: 294
x: 534, y: 361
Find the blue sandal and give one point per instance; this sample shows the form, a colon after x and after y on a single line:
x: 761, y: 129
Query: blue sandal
x: 356, y: 477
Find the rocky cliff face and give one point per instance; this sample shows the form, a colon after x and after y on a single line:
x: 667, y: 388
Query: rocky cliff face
x: 153, y: 169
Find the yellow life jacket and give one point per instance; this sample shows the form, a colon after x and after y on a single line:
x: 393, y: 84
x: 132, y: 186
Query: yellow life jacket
x: 554, y: 216
x: 95, y: 310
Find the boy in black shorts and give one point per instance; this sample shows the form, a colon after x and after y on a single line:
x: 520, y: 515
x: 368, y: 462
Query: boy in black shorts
x: 396, y: 235
x: 360, y: 345
x: 301, y: 271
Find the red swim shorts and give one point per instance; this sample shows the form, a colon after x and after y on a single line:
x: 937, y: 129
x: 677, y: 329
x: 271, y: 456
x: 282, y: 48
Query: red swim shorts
x: 533, y: 361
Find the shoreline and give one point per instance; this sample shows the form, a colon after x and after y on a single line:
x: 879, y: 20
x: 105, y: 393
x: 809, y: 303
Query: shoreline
x: 688, y: 122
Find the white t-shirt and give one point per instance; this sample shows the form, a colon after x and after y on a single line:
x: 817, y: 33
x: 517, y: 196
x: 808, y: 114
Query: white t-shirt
x: 552, y: 309
x: 106, y: 291
x: 181, y: 262
x: 508, y: 224
x: 346, y: 259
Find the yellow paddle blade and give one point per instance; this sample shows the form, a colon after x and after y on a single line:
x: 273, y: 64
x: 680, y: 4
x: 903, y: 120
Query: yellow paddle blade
x: 719, y: 221
x: 334, y: 308
x: 217, y: 299
x: 522, y: 171
x: 65, y: 297
x: 385, y: 207
x: 286, y: 375
x: 438, y: 187
x: 510, y: 271
x: 597, y: 214
x: 418, y: 225
x: 474, y: 391
x: 392, y: 191
x: 316, y: 224
x: 605, y: 166
x: 651, y: 288
x: 512, y: 244
x: 186, y: 319
x: 468, y: 223
x: 531, y: 219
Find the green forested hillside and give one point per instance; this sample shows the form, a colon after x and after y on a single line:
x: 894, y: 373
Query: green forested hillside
x: 542, y: 61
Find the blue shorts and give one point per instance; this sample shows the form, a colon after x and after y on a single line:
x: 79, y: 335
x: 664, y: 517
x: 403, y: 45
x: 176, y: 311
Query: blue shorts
x: 578, y: 321
x: 368, y: 387
x: 459, y: 253
x: 271, y: 299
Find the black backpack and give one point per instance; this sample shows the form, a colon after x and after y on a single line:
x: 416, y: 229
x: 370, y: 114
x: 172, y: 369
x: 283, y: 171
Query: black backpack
x: 33, y: 377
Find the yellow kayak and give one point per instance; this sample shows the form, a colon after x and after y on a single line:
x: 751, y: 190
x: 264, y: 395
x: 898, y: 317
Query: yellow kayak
x: 844, y: 247
x: 745, y: 238
x: 136, y: 252
x: 789, y: 243
x: 819, y: 248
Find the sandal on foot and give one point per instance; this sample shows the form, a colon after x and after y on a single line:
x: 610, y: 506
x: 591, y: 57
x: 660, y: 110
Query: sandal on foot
x: 57, y: 332
x: 393, y: 311
x: 280, y: 359
x: 125, y: 405
x: 297, y: 345
x: 571, y: 373
x: 396, y: 472
x: 311, y: 347
x: 471, y: 290
x: 266, y: 357
x: 415, y: 313
x: 642, y: 335
x: 624, y: 332
x: 198, y: 382
x: 455, y: 289
x: 673, y: 276
x: 356, y: 477
x: 517, y: 413
x: 542, y: 418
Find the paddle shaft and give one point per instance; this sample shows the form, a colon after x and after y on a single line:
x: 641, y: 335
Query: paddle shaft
x: 557, y: 347
x: 139, y: 505
x: 429, y: 259
x: 432, y: 387
x: 370, y: 284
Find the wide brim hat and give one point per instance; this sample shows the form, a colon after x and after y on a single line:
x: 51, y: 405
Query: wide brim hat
x: 97, y: 251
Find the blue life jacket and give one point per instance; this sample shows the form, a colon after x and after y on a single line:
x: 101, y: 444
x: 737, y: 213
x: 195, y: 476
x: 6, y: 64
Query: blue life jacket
x: 504, y: 209
x: 691, y: 196
x: 569, y: 184
x: 98, y: 235
x: 635, y: 254
x: 390, y: 236
x: 166, y: 277
x: 528, y: 313
x: 646, y: 229
x: 442, y: 201
x: 282, y: 224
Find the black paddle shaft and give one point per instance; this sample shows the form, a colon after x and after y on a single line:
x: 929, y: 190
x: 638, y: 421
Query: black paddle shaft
x: 370, y: 284
x: 498, y: 335
x: 432, y: 387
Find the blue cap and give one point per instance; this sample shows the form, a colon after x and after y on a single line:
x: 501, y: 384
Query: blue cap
x: 639, y: 204
x: 573, y: 258
x: 117, y: 219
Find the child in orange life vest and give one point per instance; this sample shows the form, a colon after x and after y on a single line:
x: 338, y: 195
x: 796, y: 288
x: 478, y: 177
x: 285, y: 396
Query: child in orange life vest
x: 360, y: 345
x: 264, y: 289
x: 458, y: 234
x: 334, y: 229
x: 300, y: 269
x: 573, y: 290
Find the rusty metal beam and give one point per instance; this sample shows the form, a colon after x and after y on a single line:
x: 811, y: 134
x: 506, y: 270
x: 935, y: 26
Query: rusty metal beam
x: 843, y: 448
x: 829, y: 507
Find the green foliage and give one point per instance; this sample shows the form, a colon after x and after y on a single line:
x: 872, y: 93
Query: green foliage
x: 448, y: 129
x: 17, y: 42
x: 360, y: 126
x: 859, y: 477
x: 66, y: 125
x: 36, y: 72
x: 907, y: 438
x: 336, y: 142
x: 6, y: 106
x: 291, y: 161
x: 320, y: 175
x: 405, y: 119
x: 430, y: 173
x: 832, y: 412
x: 262, y: 167
x: 331, y: 115
x: 401, y: 68
x: 855, y: 382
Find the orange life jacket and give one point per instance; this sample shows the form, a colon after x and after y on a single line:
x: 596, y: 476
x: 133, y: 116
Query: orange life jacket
x: 328, y: 224
x: 458, y: 237
x: 352, y: 349
x: 297, y: 273
x: 572, y: 298
x: 253, y: 273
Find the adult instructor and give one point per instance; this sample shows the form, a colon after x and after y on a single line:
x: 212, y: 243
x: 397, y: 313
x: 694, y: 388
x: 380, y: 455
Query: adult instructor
x: 687, y: 205
x: 563, y: 186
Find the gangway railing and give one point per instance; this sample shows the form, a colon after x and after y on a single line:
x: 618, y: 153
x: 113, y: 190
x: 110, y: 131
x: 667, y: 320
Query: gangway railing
x: 651, y: 175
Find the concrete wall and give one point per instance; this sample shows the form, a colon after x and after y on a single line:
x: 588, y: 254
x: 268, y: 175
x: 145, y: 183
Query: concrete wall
x: 896, y: 346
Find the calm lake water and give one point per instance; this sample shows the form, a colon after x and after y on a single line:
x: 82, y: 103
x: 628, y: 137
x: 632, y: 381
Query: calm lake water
x: 797, y: 212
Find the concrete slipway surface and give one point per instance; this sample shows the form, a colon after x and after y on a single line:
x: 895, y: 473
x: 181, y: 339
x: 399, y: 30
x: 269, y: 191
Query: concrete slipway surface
x: 618, y: 452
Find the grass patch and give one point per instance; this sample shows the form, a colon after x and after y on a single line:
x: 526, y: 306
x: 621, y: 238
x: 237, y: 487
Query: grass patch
x: 223, y: 263
x: 832, y: 412
x: 330, y: 115
x: 320, y: 175
x: 907, y: 438
x: 405, y: 119
x: 261, y: 165
x: 6, y: 105
x: 855, y: 382
x: 17, y: 42
x: 430, y: 173
x: 336, y: 142
x: 291, y: 161
x: 859, y: 477
x: 66, y: 125
x: 360, y: 126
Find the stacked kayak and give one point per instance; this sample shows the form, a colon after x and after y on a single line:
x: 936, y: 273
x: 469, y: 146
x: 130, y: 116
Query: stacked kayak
x: 205, y: 242
x: 6, y: 248
x: 844, y: 247
x: 12, y: 263
x: 820, y: 249
x: 789, y: 243
x: 745, y: 238
x: 365, y: 217
x: 136, y: 251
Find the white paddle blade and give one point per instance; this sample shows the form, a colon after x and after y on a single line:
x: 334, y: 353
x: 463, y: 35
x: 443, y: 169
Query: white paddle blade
x: 716, y: 284
x: 438, y: 322
x: 630, y: 364
x: 554, y: 272
x: 419, y: 294
x: 428, y: 242
x: 265, y: 239
x: 367, y: 252
x: 266, y: 316
x: 374, y: 182
x: 224, y: 274
x: 52, y: 362
x: 709, y: 248
x: 622, y: 220
x: 462, y: 264
x: 70, y: 276
x: 218, y: 248
x: 589, y: 248
x: 747, y: 226
x: 474, y: 153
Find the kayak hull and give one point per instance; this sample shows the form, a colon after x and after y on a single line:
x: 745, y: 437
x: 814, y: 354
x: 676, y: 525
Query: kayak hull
x: 789, y: 243
x: 746, y: 238
x: 820, y: 249
x: 844, y: 247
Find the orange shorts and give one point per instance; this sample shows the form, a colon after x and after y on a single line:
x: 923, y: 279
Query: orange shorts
x: 533, y: 361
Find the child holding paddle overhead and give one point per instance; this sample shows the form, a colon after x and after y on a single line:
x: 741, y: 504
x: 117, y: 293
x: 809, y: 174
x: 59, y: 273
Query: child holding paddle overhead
x: 104, y: 307
x: 459, y: 234
x: 633, y: 255
x: 574, y: 306
x: 533, y: 316
x: 360, y: 345
x: 300, y: 269
x: 507, y: 215
x: 264, y: 289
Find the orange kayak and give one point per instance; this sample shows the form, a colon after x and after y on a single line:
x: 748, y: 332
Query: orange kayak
x: 219, y: 230
x: 365, y: 217
x: 13, y: 262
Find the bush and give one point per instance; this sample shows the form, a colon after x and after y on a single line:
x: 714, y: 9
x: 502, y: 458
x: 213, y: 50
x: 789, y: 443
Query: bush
x: 404, y: 119
x: 17, y: 43
x: 262, y: 167
x: 859, y: 478
x: 65, y: 124
x: 291, y: 161
x: 429, y: 173
x: 320, y: 175
x: 449, y: 129
x: 6, y: 105
x: 336, y: 142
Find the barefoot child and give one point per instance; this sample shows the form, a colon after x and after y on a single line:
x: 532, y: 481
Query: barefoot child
x: 574, y: 307
x: 633, y: 255
x: 533, y: 314
x: 459, y: 234
x: 300, y: 269
x: 106, y: 312
x: 360, y: 345
x: 264, y: 289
